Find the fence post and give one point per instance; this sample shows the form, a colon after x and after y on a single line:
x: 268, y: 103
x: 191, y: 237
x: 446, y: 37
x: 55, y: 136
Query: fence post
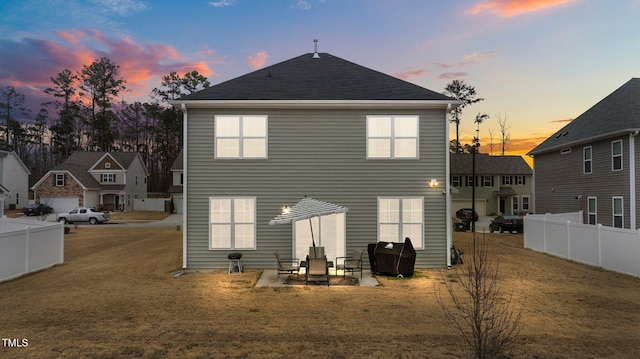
x: 26, y: 243
x: 599, y: 245
x: 568, y: 239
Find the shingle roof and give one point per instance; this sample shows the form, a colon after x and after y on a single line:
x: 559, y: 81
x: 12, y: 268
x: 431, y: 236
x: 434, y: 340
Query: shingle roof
x: 616, y: 113
x: 307, y: 78
x: 79, y: 162
x: 178, y: 162
x: 462, y: 164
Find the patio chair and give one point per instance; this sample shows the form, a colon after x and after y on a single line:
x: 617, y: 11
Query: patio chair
x: 316, y: 252
x: 287, y: 266
x: 317, y: 270
x: 350, y: 264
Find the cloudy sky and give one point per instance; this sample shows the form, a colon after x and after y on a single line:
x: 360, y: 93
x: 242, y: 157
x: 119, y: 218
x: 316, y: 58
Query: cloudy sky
x: 539, y: 63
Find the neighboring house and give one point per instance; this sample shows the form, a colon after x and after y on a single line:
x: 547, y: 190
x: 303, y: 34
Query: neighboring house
x: 14, y: 180
x: 591, y: 164
x: 503, y: 184
x: 177, y: 179
x: 108, y: 180
x: 320, y: 126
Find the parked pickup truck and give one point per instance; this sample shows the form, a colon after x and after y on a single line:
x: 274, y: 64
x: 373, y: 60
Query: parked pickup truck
x: 83, y: 214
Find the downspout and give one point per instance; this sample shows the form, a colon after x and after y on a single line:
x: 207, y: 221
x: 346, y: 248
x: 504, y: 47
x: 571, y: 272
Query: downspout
x: 632, y: 179
x: 183, y: 107
x: 447, y: 186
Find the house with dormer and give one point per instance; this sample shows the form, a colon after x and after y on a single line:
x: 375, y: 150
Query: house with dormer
x: 106, y: 180
x: 320, y: 126
x: 591, y: 164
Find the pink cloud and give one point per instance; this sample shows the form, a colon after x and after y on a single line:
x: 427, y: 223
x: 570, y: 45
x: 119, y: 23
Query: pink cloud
x: 32, y: 62
x: 452, y: 75
x: 515, y: 7
x: 257, y: 60
x: 406, y: 75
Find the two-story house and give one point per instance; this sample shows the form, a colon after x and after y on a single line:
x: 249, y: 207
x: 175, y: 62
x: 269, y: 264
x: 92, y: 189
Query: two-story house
x: 503, y: 184
x: 591, y: 164
x: 109, y: 180
x: 320, y: 126
x: 14, y: 180
x: 177, y: 179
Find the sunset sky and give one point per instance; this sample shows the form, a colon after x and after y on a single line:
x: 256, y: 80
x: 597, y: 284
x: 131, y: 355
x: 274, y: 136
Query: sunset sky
x: 539, y: 63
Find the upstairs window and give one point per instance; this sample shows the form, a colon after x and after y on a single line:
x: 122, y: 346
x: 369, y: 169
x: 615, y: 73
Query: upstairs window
x: 616, y: 155
x: 108, y: 178
x: 507, y: 180
x: 392, y: 137
x: 240, y: 137
x: 487, y: 181
x: 587, y: 158
x: 520, y: 180
x: 60, y: 179
x: 456, y: 181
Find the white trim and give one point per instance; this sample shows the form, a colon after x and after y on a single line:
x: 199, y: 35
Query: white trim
x: 613, y: 156
x: 632, y: 181
x: 447, y: 192
x: 369, y: 104
x: 584, y: 160
x: 613, y: 210
x: 185, y: 119
x: 589, y: 213
x: 241, y: 137
x: 233, y: 222
x: 392, y: 137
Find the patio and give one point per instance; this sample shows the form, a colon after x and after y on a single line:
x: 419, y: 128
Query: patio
x: 269, y: 279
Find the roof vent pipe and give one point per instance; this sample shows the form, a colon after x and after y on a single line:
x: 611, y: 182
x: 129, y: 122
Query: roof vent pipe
x: 315, y: 49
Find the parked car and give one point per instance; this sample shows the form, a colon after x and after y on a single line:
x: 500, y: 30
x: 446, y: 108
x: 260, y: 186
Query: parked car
x: 507, y: 223
x: 83, y: 214
x: 465, y: 214
x: 37, y: 209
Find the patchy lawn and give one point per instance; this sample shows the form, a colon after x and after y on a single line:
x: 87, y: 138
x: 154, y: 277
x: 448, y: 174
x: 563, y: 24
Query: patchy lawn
x: 115, y: 297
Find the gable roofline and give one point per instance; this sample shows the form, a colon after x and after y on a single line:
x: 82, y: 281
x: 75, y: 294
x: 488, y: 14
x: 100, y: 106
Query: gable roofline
x: 617, y: 113
x: 539, y: 151
x: 54, y: 172
x: 107, y: 154
x: 311, y: 104
x: 5, y: 153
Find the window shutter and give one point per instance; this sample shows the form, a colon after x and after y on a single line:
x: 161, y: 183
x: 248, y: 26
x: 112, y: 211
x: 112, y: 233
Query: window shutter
x: 64, y: 182
x: 53, y: 176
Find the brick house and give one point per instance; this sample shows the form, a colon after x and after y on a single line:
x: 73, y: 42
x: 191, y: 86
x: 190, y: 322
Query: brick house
x: 109, y: 180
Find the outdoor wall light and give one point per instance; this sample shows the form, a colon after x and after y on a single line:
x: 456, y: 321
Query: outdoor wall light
x: 286, y: 209
x: 433, y: 183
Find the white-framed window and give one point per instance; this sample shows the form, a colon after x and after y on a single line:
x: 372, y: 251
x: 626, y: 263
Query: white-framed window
x: 456, y: 181
x: 592, y: 210
x: 618, y: 212
x: 507, y: 180
x: 392, y: 137
x: 515, y: 203
x: 469, y: 181
x: 616, y: 155
x: 520, y: 180
x: 232, y: 222
x: 241, y: 136
x: 525, y: 203
x: 587, y: 158
x: 399, y: 218
x: 60, y: 179
x: 136, y: 180
x: 487, y: 181
x: 107, y: 165
x: 108, y: 178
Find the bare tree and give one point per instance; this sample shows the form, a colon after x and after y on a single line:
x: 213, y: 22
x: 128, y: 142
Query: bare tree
x: 505, y: 135
x: 490, y: 142
x: 476, y: 309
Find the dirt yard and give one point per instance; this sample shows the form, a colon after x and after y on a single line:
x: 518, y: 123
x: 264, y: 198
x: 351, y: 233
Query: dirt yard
x: 115, y: 297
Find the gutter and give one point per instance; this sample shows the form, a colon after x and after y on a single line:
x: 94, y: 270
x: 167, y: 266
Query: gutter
x: 632, y: 179
x: 369, y: 104
x: 185, y: 117
x: 579, y: 142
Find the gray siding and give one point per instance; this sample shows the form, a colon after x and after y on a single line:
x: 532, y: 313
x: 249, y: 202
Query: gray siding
x: 321, y: 154
x: 559, y: 178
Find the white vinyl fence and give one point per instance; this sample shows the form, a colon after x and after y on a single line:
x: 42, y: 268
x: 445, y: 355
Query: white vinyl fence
x: 565, y: 236
x: 28, y: 246
x: 150, y: 204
